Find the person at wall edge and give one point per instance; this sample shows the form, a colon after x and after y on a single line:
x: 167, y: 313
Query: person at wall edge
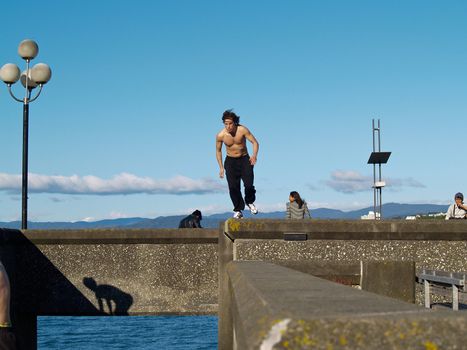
x: 192, y: 220
x: 297, y: 207
x: 457, y: 210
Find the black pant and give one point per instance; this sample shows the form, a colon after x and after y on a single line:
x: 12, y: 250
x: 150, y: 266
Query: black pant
x: 240, y: 169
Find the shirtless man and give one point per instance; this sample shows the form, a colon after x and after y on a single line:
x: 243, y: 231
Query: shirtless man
x: 238, y: 164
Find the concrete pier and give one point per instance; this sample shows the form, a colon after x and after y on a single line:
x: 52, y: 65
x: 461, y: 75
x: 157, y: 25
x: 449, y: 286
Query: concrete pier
x: 381, y: 247
x: 163, y: 271
x: 277, y: 308
x: 108, y: 272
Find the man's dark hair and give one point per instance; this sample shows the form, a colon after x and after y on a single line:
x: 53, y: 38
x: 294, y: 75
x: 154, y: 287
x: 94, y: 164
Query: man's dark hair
x: 198, y: 214
x: 228, y: 114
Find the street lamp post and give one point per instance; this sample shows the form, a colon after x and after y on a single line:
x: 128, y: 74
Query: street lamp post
x: 31, y: 78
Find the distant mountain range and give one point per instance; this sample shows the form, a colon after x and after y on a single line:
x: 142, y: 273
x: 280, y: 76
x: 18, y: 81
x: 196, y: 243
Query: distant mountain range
x: 390, y: 210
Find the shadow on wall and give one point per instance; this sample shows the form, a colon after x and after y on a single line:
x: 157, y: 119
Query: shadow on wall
x: 110, y: 295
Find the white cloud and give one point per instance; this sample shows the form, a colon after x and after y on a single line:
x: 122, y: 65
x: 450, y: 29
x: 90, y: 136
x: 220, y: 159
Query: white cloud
x: 118, y: 215
x: 123, y: 183
x: 313, y: 187
x: 87, y: 219
x: 348, y: 181
x: 207, y: 209
x: 407, y: 182
x: 344, y: 206
x: 111, y: 215
x: 271, y: 207
x: 56, y: 200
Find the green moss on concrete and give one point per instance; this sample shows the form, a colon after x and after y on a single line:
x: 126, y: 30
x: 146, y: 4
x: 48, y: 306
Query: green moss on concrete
x: 237, y: 225
x: 370, y: 334
x: 233, y: 225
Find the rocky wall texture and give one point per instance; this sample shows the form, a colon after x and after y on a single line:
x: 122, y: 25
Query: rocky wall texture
x: 436, y: 255
x: 90, y: 273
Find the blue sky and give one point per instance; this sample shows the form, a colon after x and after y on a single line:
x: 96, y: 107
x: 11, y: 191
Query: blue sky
x: 126, y: 127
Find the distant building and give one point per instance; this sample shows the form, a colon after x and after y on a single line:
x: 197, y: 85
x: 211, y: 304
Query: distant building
x: 370, y: 216
x: 426, y: 216
x: 436, y: 214
x: 432, y: 216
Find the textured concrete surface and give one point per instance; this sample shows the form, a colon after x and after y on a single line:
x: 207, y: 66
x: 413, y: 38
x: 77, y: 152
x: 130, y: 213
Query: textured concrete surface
x: 225, y: 323
x: 435, y: 245
x: 390, y: 278
x: 161, y: 278
x: 344, y: 273
x: 102, y: 272
x: 122, y: 236
x: 437, y: 255
x: 150, y: 272
x: 278, y: 308
x: 349, y: 229
x: 394, y: 279
x: 146, y: 271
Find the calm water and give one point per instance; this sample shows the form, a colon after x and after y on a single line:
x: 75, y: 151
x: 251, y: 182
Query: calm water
x: 139, y: 332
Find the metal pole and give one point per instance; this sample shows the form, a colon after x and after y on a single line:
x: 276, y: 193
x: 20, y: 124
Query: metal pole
x: 24, y: 187
x: 373, y: 121
x: 374, y: 170
x: 427, y: 294
x: 379, y: 136
x: 27, y: 50
x: 455, y: 297
x: 374, y: 189
x: 380, y: 203
x: 379, y: 148
x: 379, y: 178
x: 24, y: 220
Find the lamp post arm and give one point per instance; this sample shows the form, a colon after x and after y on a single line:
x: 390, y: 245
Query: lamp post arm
x: 38, y: 93
x: 26, y: 83
x: 12, y: 95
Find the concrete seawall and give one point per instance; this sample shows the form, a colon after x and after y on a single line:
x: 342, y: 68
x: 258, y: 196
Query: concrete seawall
x: 103, y: 272
x: 278, y: 308
x: 163, y: 271
x: 439, y: 245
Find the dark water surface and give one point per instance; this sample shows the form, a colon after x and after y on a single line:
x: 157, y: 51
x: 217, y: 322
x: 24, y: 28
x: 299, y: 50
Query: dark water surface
x: 138, y: 332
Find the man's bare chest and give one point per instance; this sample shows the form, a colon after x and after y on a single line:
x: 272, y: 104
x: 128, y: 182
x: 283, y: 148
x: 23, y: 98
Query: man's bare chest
x: 230, y: 140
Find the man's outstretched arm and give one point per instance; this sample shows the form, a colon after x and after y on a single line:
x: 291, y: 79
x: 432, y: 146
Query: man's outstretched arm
x: 219, y: 156
x: 249, y: 136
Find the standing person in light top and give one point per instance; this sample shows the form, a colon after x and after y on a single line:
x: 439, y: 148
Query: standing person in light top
x: 296, y: 207
x: 238, y: 164
x: 457, y: 210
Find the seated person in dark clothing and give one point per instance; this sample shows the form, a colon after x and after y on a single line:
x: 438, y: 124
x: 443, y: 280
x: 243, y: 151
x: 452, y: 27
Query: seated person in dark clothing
x: 192, y: 220
x: 7, y: 337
